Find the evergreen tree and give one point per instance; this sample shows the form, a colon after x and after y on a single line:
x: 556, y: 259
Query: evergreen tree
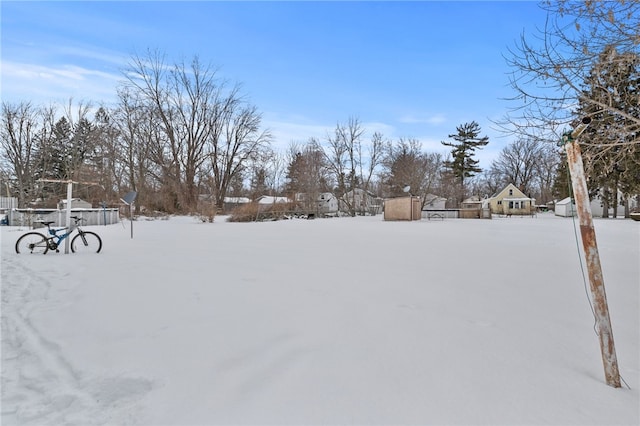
x: 258, y: 185
x: 609, y: 145
x: 307, y: 175
x: 462, y: 165
x: 562, y: 183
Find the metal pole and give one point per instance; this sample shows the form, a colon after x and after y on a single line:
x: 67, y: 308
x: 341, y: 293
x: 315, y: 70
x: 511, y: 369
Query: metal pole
x: 131, y: 218
x: 587, y: 231
x: 68, y: 216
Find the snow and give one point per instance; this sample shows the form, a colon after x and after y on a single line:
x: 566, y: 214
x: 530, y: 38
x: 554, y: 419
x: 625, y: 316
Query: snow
x: 326, y: 321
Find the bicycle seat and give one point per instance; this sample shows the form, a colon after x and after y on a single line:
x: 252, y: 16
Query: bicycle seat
x: 47, y: 223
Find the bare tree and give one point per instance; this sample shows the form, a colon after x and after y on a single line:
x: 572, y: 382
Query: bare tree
x: 139, y: 149
x: 267, y: 174
x: 37, y: 146
x: 369, y: 165
x: 307, y: 173
x: 180, y: 96
x: 517, y: 162
x: 236, y: 141
x: 406, y: 165
x: 529, y: 164
x: 547, y: 169
x: 551, y: 67
x: 205, y: 127
x: 344, y: 157
x: 18, y: 140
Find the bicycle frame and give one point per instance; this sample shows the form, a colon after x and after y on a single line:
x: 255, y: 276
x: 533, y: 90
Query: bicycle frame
x: 55, y: 239
x: 59, y: 238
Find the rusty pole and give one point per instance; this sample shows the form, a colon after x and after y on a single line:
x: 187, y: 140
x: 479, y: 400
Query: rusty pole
x: 587, y: 231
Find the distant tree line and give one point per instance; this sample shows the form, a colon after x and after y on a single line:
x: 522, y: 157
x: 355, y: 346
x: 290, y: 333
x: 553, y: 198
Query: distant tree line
x: 184, y: 142
x: 185, y: 139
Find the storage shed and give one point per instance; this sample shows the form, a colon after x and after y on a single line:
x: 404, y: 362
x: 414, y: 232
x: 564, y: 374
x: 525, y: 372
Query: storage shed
x: 565, y: 208
x: 402, y: 208
x: 76, y: 203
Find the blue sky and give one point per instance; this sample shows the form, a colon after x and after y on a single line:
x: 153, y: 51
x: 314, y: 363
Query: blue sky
x: 406, y: 69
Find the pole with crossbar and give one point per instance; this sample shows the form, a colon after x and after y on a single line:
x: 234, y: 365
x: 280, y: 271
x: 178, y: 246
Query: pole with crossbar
x: 68, y: 210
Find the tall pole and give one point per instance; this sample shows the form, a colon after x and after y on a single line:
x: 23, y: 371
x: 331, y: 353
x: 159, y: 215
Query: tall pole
x: 131, y: 218
x: 589, y: 244
x: 68, y: 215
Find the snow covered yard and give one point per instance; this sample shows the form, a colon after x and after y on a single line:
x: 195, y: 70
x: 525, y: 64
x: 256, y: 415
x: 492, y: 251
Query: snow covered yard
x: 337, y: 321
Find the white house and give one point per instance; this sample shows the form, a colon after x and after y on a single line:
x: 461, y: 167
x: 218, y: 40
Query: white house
x: 76, y: 203
x: 327, y: 203
x: 597, y: 205
x: 565, y: 208
x: 231, y: 203
x: 361, y: 201
x: 434, y: 202
x: 268, y: 199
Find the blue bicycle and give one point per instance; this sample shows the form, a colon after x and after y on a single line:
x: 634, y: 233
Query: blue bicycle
x: 35, y: 242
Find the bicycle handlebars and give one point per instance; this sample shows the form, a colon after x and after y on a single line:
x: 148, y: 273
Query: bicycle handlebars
x: 75, y: 218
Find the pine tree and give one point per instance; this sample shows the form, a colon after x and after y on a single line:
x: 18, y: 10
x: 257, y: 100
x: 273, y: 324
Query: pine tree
x: 562, y: 183
x: 609, y: 146
x: 462, y: 164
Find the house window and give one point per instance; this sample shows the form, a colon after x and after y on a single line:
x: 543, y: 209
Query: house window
x: 499, y: 202
x: 511, y: 192
x: 516, y: 204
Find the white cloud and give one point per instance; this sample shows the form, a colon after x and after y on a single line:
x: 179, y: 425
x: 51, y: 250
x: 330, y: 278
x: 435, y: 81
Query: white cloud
x: 38, y: 83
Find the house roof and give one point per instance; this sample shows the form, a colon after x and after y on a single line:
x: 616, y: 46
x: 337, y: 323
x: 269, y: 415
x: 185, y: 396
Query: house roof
x: 267, y: 199
x: 504, y: 192
x: 236, y: 200
x: 565, y: 201
x: 64, y: 200
x: 430, y: 198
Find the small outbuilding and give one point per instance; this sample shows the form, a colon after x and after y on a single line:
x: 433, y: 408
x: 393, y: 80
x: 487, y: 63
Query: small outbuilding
x: 471, y: 208
x: 403, y: 208
x: 434, y: 202
x: 565, y: 207
x: 76, y: 203
x: 232, y: 203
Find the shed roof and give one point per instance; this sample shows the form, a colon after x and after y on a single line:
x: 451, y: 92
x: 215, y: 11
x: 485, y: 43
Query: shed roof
x: 567, y: 200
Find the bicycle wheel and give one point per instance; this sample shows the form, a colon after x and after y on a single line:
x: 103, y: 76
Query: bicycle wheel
x: 86, y: 242
x: 32, y: 242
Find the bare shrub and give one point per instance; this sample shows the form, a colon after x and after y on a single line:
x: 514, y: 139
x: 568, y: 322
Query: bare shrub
x: 260, y: 212
x: 244, y: 213
x: 207, y: 212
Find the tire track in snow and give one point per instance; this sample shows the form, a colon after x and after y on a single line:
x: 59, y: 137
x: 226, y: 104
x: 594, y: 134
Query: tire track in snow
x: 39, y: 385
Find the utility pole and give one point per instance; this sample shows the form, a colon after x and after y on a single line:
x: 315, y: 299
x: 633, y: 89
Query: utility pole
x: 589, y: 244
